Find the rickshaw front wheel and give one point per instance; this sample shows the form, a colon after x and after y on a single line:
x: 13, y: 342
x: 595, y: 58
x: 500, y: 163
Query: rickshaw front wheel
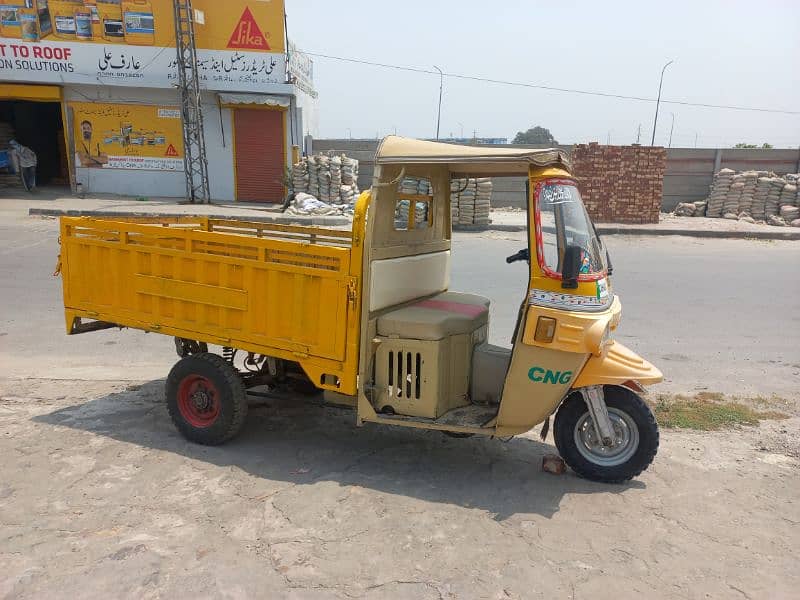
x: 635, y: 436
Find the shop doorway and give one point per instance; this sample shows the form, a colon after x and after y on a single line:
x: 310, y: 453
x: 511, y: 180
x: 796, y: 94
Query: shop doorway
x: 260, y: 148
x: 40, y: 127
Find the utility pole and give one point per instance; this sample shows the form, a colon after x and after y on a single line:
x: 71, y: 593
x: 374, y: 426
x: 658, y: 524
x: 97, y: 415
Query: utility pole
x: 639, y: 133
x: 194, y: 144
x: 695, y: 139
x: 608, y: 139
x: 439, y: 112
x: 671, y: 127
x: 658, y: 101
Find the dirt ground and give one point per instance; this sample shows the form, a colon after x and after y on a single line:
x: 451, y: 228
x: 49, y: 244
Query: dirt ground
x: 106, y: 500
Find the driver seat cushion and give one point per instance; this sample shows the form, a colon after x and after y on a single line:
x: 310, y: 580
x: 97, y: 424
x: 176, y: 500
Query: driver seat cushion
x: 443, y: 315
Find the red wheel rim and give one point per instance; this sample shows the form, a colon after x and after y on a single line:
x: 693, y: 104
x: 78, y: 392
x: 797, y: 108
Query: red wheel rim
x: 198, y: 400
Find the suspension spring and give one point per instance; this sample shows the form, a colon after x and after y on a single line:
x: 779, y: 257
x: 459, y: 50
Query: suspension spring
x: 228, y: 354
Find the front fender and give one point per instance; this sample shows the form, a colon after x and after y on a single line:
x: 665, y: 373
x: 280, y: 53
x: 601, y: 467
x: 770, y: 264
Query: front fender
x: 617, y: 365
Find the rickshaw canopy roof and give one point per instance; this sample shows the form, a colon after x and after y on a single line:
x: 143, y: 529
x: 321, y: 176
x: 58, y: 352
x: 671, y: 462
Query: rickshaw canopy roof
x: 468, y: 160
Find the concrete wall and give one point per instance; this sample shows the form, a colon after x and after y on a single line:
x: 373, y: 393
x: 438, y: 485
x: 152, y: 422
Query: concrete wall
x: 688, y: 176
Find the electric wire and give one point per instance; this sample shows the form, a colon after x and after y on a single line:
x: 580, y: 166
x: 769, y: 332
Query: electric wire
x: 549, y: 87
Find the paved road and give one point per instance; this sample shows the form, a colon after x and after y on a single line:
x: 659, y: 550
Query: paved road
x: 721, y: 315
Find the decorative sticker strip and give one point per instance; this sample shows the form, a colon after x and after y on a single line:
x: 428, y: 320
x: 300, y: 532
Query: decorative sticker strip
x: 543, y: 297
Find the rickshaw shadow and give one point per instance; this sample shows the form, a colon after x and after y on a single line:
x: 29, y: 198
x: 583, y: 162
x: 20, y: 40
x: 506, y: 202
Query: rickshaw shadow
x: 303, y: 442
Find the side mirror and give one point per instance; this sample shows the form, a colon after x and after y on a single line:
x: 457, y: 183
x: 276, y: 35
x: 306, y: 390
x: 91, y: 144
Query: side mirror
x: 571, y: 268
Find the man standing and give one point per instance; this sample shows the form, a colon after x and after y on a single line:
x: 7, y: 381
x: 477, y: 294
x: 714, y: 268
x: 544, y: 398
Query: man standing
x: 24, y: 161
x: 87, y: 156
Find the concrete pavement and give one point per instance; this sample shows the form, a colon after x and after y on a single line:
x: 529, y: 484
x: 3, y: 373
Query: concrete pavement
x: 56, y: 203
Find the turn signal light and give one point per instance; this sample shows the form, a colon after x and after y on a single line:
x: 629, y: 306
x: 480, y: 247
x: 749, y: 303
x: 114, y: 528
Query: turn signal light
x: 545, y: 330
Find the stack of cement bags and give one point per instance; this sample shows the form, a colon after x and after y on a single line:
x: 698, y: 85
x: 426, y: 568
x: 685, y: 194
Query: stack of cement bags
x: 470, y: 201
x: 300, y: 177
x: 349, y: 171
x: 774, y: 197
x: 331, y: 179
x: 719, y: 191
x: 751, y: 196
x: 750, y: 180
x: 763, y: 188
x: 483, y: 201
x: 691, y: 209
x: 412, y: 186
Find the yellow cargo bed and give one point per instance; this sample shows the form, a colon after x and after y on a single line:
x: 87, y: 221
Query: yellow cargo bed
x: 289, y: 292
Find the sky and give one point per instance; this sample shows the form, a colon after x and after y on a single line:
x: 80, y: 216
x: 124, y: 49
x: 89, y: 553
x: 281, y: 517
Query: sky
x: 727, y: 53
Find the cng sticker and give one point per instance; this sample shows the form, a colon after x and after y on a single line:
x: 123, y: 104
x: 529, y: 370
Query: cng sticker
x: 540, y: 375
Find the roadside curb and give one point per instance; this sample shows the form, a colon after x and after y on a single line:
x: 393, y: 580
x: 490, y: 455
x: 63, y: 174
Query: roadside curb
x: 772, y: 234
x: 280, y: 219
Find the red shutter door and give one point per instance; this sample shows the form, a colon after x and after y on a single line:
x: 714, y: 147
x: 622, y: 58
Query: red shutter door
x: 259, y: 159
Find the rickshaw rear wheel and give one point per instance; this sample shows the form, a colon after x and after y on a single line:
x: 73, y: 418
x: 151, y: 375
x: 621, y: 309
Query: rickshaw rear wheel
x: 206, y: 399
x: 635, y: 444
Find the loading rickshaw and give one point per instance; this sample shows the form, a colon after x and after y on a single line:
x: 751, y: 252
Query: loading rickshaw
x: 368, y: 317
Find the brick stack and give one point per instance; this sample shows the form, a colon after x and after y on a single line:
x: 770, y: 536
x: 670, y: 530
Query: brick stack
x: 620, y: 184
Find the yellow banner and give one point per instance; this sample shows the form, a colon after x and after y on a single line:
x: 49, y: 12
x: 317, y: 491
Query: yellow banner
x: 252, y: 25
x: 127, y: 136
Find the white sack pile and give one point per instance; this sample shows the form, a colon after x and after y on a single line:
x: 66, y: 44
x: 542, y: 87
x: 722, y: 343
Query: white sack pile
x: 307, y: 205
x: 333, y: 179
x: 470, y: 201
x: 751, y: 196
x: 413, y: 186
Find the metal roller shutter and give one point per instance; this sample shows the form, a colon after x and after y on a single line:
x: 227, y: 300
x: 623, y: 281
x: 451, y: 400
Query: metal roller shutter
x: 260, y: 147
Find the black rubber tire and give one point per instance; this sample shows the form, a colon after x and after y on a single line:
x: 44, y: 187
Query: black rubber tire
x: 625, y: 400
x: 232, y: 398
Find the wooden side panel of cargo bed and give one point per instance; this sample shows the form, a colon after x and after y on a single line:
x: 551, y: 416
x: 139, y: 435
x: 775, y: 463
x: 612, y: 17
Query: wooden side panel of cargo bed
x: 255, y: 293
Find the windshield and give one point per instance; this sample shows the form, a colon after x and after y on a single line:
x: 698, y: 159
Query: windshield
x: 563, y: 222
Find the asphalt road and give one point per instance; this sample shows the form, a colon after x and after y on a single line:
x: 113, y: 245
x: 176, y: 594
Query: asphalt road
x: 720, y: 315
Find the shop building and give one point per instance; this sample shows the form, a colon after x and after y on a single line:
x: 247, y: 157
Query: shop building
x: 91, y: 86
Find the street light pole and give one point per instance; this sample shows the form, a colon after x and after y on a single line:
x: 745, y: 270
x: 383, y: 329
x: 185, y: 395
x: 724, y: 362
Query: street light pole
x: 439, y: 112
x: 660, y: 83
x: 671, y: 127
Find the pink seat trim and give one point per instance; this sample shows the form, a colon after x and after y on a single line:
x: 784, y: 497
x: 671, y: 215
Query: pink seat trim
x: 469, y: 310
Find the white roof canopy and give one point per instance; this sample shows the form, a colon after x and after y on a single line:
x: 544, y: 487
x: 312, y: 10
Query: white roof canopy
x: 260, y: 99
x: 468, y: 159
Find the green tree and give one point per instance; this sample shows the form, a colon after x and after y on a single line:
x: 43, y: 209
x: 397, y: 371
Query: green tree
x: 535, y: 135
x: 765, y: 145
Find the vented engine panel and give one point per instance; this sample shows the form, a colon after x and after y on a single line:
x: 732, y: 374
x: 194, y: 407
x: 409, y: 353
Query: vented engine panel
x: 420, y: 378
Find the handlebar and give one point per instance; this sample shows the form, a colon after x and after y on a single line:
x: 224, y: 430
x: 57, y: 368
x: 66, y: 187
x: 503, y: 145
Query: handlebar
x: 523, y: 254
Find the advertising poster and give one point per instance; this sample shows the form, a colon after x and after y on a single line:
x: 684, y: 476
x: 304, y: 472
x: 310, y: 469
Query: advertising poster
x: 127, y: 136
x: 240, y: 43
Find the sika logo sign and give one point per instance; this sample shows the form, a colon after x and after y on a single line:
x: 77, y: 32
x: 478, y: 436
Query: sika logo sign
x: 248, y: 35
x: 171, y: 151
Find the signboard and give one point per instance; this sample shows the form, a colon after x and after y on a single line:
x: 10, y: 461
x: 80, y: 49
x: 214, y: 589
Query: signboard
x: 132, y: 42
x: 301, y: 70
x: 127, y: 136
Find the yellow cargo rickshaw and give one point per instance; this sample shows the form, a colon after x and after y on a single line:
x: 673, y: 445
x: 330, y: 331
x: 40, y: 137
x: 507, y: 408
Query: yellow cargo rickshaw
x: 368, y: 316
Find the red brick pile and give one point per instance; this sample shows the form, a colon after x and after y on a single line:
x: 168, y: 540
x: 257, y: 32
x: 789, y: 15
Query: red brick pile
x: 620, y: 184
